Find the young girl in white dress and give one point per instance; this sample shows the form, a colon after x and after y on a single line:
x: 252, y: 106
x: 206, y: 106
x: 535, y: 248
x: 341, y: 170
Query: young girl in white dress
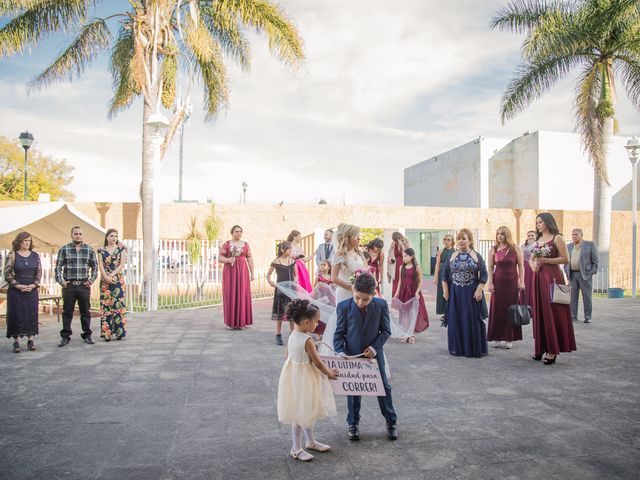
x: 304, y: 393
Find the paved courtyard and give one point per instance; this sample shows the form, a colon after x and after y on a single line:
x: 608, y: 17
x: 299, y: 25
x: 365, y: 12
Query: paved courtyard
x: 184, y: 398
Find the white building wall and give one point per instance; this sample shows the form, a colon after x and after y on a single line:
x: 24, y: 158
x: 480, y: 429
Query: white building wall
x: 451, y: 179
x: 501, y: 177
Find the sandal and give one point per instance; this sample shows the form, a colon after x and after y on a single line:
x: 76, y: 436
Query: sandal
x: 411, y: 339
x: 318, y: 447
x: 301, y: 455
x: 16, y: 347
x: 31, y: 346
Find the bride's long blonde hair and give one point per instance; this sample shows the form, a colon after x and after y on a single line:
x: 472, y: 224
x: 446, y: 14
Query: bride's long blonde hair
x: 344, y: 234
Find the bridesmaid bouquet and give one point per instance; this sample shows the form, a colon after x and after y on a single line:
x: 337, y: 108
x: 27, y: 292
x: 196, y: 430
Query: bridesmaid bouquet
x: 540, y: 250
x: 358, y: 272
x: 235, y: 251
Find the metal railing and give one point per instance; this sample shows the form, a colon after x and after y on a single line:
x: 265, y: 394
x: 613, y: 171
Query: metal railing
x: 181, y: 283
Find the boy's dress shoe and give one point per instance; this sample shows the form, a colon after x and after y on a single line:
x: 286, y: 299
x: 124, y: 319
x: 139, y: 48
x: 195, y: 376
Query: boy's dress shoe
x: 88, y: 340
x: 392, y: 432
x: 353, y: 433
x: 64, y: 341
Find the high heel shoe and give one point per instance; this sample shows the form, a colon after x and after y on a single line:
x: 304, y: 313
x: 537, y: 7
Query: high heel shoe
x: 31, y: 346
x: 537, y: 358
x: 549, y: 361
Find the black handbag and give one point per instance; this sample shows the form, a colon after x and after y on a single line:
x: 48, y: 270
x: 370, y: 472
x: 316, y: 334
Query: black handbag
x: 519, y: 314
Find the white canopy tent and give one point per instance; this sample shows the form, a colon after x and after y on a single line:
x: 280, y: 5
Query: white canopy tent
x: 48, y: 223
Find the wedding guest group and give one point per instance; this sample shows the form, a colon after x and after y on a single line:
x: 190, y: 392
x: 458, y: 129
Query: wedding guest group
x: 552, y: 325
x: 285, y: 267
x: 582, y: 266
x: 237, y: 275
x: 464, y: 278
x: 112, y: 258
x: 505, y: 283
x: 76, y: 271
x: 22, y: 272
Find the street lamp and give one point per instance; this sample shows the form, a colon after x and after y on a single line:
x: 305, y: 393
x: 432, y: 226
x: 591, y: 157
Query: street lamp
x: 26, y: 139
x: 633, y: 148
x: 244, y: 192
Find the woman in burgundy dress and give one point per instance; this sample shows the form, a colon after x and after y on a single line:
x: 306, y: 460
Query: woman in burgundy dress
x: 528, y: 273
x: 410, y: 286
x: 552, y: 324
x: 376, y: 260
x: 236, y: 280
x: 506, y: 281
x: 398, y: 245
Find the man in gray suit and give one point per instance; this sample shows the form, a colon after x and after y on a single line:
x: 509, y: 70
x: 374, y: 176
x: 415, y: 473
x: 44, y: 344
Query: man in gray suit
x: 325, y: 250
x: 583, y: 264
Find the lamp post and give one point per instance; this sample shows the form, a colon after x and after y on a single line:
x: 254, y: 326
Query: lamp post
x: 633, y: 148
x: 181, y: 163
x: 26, y: 139
x: 244, y: 192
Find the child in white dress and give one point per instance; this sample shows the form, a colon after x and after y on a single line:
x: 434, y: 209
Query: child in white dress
x: 304, y: 393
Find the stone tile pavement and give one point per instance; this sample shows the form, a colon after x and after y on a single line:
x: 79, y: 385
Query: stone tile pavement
x: 184, y: 398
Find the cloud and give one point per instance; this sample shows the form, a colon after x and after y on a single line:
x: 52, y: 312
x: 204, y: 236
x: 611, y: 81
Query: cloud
x: 384, y: 85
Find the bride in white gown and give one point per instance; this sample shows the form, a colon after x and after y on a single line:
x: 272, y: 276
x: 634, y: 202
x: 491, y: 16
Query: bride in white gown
x: 345, y: 261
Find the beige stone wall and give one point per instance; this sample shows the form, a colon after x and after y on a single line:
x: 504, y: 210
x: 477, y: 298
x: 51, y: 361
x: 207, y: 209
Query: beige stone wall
x: 263, y: 224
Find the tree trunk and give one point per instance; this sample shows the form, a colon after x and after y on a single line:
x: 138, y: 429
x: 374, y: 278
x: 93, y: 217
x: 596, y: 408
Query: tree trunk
x: 151, y: 143
x: 602, y: 205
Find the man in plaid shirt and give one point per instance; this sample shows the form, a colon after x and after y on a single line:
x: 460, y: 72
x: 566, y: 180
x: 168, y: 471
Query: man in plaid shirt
x: 76, y: 270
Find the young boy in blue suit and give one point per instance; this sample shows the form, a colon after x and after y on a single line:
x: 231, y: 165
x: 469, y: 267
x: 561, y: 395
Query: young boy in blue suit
x: 363, y: 326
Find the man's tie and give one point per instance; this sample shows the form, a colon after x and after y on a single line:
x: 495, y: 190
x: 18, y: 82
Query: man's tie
x: 327, y: 250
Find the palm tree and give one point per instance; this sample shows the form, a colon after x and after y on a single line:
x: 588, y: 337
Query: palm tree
x: 602, y: 39
x: 157, y: 46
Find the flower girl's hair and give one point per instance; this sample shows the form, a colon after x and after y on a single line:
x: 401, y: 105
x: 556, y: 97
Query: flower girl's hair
x: 299, y: 309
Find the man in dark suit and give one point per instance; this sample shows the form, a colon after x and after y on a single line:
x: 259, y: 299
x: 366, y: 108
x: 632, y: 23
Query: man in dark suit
x: 363, y: 327
x: 583, y: 264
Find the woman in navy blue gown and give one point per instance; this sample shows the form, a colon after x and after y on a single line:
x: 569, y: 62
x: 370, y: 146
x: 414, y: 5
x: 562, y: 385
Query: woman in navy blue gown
x: 464, y: 277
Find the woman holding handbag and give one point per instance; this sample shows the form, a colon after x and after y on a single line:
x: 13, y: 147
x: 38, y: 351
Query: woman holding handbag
x: 506, y: 280
x: 552, y: 325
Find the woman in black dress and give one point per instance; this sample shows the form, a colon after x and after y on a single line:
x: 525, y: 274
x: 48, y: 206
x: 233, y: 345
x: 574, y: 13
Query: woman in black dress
x: 22, y: 272
x: 285, y: 267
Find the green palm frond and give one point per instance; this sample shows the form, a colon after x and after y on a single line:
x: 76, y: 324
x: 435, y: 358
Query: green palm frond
x: 588, y: 120
x: 93, y: 38
x: 209, y: 62
x: 11, y: 7
x: 225, y: 29
x: 282, y: 35
x: 628, y: 69
x: 521, y: 16
x: 124, y: 88
x: 169, y: 73
x: 531, y: 81
x: 557, y: 35
x: 38, y: 20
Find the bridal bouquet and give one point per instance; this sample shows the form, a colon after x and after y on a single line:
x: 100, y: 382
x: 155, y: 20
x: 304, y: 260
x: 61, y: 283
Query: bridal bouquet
x: 358, y: 272
x: 540, y: 250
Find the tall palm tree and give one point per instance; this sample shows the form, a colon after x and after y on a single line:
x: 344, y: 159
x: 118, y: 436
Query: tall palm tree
x: 155, y: 45
x: 602, y: 39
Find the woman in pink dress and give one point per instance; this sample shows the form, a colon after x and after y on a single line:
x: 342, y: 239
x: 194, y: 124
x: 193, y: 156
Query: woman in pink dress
x: 528, y: 273
x: 376, y: 260
x: 506, y: 281
x: 302, y: 274
x: 398, y: 245
x: 409, y: 287
x: 552, y: 324
x: 236, y: 280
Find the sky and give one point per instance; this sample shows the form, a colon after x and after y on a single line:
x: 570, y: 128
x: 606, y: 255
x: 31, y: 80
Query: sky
x: 384, y: 86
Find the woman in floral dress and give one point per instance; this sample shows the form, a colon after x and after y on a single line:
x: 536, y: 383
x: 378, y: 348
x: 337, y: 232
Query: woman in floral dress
x: 112, y: 257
